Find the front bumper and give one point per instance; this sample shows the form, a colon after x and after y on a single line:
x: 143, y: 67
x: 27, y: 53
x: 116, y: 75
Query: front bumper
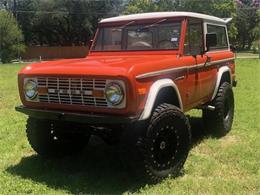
x: 86, y: 118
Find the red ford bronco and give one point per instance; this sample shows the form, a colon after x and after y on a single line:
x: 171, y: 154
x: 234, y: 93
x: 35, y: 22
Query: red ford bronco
x: 142, y: 73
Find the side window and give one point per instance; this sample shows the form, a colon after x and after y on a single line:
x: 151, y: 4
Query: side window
x: 221, y: 36
x: 193, y: 38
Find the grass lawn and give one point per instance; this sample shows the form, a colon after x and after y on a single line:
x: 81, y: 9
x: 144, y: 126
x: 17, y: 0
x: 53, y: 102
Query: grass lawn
x: 230, y: 165
x: 246, y: 54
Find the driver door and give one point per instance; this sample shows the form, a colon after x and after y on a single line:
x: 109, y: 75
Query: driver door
x: 192, y: 53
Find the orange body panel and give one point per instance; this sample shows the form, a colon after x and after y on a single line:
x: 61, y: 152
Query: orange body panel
x: 195, y: 88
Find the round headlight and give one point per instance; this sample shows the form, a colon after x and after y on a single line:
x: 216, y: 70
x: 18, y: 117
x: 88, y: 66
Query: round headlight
x: 30, y: 89
x: 114, y: 93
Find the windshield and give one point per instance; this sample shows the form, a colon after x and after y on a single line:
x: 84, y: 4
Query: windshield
x: 163, y: 36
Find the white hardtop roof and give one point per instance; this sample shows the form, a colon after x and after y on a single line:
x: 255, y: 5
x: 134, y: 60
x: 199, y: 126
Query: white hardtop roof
x: 158, y: 15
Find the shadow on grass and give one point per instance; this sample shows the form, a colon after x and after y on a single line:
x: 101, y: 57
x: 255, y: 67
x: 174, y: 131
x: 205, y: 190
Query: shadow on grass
x: 198, y: 131
x: 96, y: 171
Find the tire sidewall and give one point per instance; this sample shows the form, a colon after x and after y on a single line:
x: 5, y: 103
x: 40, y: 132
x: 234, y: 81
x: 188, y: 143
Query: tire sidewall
x: 228, y: 96
x: 215, y: 121
x: 181, y: 129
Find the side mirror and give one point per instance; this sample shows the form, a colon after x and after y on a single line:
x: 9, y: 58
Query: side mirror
x: 90, y: 44
x: 211, y: 40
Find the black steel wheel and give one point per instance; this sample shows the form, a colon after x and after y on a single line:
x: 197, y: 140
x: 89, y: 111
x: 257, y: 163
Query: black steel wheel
x: 167, y: 142
x: 159, y: 149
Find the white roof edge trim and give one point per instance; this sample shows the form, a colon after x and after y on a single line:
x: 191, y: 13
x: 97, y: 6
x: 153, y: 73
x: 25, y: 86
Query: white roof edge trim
x: 143, y: 16
x: 227, y: 20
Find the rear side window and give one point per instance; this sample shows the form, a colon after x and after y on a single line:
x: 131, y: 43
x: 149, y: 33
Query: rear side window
x: 221, y: 36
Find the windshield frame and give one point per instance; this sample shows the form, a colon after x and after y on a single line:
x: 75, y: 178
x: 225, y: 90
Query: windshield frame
x: 152, y: 23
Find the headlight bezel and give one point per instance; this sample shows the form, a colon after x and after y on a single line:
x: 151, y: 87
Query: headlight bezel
x: 117, y: 85
x: 33, y: 82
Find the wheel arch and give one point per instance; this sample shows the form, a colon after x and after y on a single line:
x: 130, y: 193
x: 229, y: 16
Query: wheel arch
x: 157, y: 90
x: 224, y: 75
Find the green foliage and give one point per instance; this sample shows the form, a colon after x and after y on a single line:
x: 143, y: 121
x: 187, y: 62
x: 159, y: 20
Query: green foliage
x: 11, y: 37
x: 248, y: 24
x: 256, y: 29
x: 255, y: 47
x: 142, y: 6
x: 66, y: 22
x: 62, y: 22
x: 220, y: 8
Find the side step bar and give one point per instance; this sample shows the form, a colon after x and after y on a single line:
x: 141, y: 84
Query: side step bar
x: 207, y: 107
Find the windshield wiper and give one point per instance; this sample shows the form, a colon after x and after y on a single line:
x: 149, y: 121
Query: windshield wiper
x: 154, y: 24
x: 151, y: 25
x: 147, y: 26
x: 127, y: 24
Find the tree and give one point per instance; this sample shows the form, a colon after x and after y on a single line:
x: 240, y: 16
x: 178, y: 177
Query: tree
x: 62, y: 22
x: 248, y: 18
x: 11, y: 37
x: 256, y: 29
x: 142, y: 6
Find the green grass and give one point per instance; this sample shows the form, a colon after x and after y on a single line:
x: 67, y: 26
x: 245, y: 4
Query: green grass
x: 246, y: 54
x: 230, y: 165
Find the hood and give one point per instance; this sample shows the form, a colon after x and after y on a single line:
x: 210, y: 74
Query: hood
x: 101, y: 65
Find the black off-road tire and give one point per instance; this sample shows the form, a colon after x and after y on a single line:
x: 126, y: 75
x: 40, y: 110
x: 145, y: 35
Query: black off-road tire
x: 219, y: 122
x: 161, y: 149
x: 52, y: 138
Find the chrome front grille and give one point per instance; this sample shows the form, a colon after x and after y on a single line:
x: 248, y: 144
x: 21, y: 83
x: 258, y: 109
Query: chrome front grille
x: 72, y: 91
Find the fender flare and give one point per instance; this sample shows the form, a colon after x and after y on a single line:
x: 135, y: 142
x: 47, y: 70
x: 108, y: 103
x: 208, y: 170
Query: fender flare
x: 221, y: 71
x: 152, y: 95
